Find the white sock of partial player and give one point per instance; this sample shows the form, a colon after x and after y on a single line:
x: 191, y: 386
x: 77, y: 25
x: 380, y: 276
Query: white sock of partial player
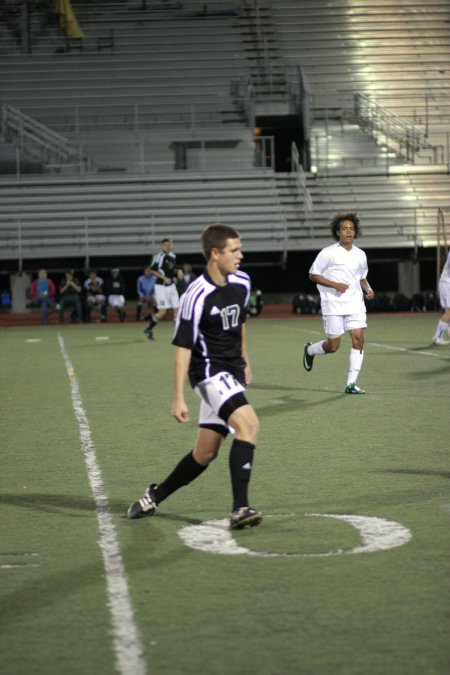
x: 354, y: 366
x: 441, y: 328
x: 316, y: 348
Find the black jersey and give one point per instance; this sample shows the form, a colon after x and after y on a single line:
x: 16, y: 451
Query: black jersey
x: 115, y: 286
x: 209, y: 323
x: 165, y: 263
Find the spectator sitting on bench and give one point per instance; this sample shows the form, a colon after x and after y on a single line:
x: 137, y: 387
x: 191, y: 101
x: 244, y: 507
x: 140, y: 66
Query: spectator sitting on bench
x: 95, y: 297
x: 42, y: 294
x: 146, y: 293
x: 115, y: 290
x: 70, y: 296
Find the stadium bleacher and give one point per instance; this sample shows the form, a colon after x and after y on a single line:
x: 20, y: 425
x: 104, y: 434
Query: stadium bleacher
x: 150, y: 96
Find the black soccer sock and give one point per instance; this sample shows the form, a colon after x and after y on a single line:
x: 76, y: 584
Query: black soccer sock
x: 152, y: 323
x: 185, y: 472
x: 241, y: 459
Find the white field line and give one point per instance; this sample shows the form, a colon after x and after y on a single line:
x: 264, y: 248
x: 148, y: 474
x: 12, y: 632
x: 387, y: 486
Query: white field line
x: 127, y: 643
x: 13, y: 565
x: 437, y: 355
x: 411, y: 351
x: 377, y: 534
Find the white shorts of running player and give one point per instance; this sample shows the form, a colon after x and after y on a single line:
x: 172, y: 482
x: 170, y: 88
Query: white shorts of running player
x: 336, y: 325
x: 444, y: 294
x: 167, y: 297
x: 116, y: 301
x: 214, y: 392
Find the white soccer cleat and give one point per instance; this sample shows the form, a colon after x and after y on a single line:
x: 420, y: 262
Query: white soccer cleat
x: 440, y: 341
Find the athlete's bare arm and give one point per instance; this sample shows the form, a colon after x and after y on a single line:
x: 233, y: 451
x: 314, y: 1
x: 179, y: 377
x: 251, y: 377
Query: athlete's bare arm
x: 182, y: 360
x: 247, y: 371
x: 367, y: 289
x: 319, y: 279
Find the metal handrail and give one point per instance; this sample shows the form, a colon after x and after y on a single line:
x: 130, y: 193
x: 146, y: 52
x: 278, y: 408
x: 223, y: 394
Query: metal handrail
x: 302, y: 187
x: 373, y: 118
x: 31, y: 136
x: 134, y: 116
x: 139, y: 156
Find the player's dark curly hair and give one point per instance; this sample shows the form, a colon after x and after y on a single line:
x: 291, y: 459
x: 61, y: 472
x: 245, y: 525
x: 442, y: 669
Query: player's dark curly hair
x: 339, y: 218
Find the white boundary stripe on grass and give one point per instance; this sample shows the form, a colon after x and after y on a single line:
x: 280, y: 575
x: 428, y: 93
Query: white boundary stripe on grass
x: 437, y: 355
x: 422, y: 352
x: 127, y: 642
x: 16, y: 557
x: 377, y: 534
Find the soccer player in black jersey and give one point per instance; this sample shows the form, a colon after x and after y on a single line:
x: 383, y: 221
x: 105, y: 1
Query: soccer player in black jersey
x: 211, y: 348
x: 164, y: 268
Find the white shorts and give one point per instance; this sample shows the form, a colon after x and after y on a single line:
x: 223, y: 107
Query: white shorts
x: 95, y: 300
x: 214, y: 393
x: 336, y: 325
x: 444, y: 294
x: 116, y: 301
x: 167, y: 296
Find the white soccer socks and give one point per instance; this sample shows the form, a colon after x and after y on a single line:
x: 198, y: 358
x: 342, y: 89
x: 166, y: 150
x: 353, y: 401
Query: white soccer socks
x: 316, y: 348
x: 354, y: 366
x: 441, y: 330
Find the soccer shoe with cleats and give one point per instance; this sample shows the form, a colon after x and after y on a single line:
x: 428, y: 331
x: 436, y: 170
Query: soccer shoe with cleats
x: 244, y: 516
x: 441, y: 340
x: 352, y: 388
x: 146, y: 506
x: 308, y: 359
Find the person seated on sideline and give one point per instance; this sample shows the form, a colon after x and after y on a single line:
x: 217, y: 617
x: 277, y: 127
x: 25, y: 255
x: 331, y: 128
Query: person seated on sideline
x: 185, y: 277
x: 42, y: 293
x: 115, y: 291
x: 146, y: 293
x: 95, y: 297
x: 70, y: 296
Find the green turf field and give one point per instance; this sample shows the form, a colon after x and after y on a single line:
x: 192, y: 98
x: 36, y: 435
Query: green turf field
x: 86, y: 591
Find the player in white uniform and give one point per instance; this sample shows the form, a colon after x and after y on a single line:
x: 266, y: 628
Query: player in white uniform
x: 340, y: 272
x: 443, y: 327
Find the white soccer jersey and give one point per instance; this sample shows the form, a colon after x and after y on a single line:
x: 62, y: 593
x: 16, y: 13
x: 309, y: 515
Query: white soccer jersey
x: 349, y: 267
x: 444, y: 284
x: 445, y: 275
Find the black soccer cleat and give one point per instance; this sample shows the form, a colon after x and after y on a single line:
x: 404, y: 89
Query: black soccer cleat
x: 244, y: 516
x: 308, y: 359
x: 146, y: 506
x: 149, y: 333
